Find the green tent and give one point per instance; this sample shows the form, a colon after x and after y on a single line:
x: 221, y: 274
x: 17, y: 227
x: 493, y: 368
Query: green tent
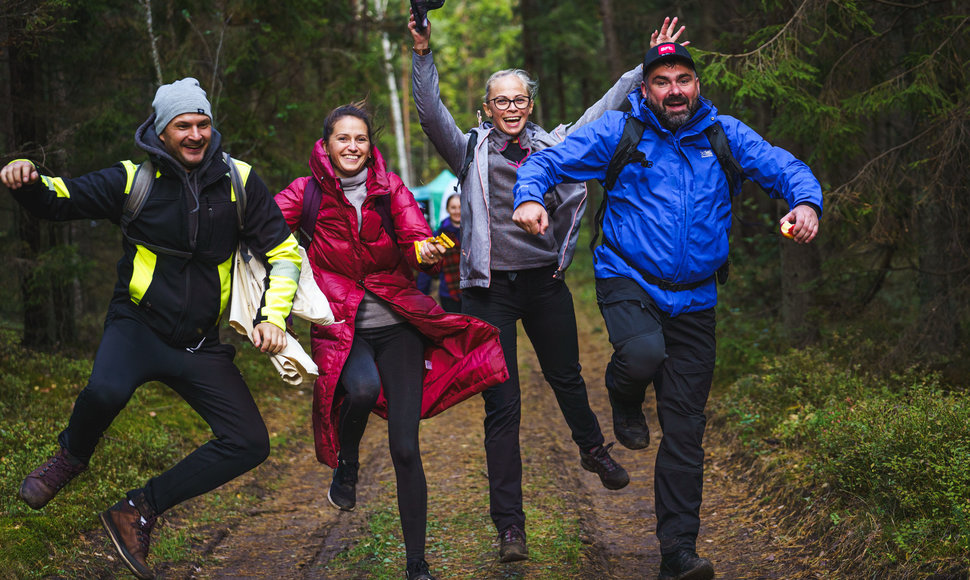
x: 434, y: 195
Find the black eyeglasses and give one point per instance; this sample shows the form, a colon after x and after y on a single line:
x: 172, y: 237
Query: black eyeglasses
x: 502, y: 103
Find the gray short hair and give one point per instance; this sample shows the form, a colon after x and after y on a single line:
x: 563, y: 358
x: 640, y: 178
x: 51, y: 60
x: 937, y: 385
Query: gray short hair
x: 531, y: 86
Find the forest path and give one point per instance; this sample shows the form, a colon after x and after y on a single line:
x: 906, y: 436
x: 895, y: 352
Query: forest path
x: 292, y: 533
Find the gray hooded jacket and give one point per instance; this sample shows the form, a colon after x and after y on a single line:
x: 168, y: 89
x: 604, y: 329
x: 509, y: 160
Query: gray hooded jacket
x: 566, y: 202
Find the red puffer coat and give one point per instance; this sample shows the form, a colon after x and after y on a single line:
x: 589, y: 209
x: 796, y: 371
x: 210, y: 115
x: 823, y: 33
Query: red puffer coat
x: 464, y: 356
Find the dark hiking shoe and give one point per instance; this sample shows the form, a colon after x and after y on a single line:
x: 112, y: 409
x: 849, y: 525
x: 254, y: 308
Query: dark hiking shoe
x: 130, y: 533
x: 418, y: 571
x: 685, y: 565
x: 629, y: 424
x: 512, y: 546
x: 630, y: 427
x: 44, y: 482
x: 343, y: 490
x: 598, y: 461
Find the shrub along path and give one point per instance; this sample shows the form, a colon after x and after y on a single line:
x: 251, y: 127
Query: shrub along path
x: 577, y: 529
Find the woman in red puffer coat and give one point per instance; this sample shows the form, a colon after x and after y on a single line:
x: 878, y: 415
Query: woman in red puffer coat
x: 396, y: 352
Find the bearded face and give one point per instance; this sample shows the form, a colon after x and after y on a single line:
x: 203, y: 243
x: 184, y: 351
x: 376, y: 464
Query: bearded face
x: 672, y: 90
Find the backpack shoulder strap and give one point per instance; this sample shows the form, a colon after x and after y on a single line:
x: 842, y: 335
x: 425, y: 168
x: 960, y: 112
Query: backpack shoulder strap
x: 312, y: 198
x: 469, y: 157
x: 382, y: 204
x: 238, y: 183
x: 141, y: 186
x: 730, y: 166
x: 632, y: 133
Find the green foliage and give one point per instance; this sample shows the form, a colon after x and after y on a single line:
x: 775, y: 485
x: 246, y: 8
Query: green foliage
x: 908, y: 458
x: 895, y: 450
x: 151, y: 434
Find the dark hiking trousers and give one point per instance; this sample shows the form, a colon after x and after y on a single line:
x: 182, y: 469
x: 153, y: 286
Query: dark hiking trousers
x: 545, y: 307
x: 676, y: 354
x: 392, y: 357
x: 131, y: 354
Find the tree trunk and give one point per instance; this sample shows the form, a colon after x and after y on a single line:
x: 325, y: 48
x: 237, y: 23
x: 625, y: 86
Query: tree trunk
x: 800, y: 272
x: 937, y: 318
x: 531, y: 51
x: 614, y: 60
x: 27, y: 131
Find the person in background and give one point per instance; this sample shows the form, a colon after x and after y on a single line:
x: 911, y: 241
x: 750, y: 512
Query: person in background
x: 163, y: 321
x: 666, y: 229
x: 508, y: 275
x: 396, y: 352
x: 449, y: 289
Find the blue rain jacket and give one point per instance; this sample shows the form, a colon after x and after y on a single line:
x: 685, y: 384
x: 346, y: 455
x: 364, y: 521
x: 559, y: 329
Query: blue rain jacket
x: 672, y: 218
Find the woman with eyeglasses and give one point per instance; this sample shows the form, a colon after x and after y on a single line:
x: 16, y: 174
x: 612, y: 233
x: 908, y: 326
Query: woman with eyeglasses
x: 509, y: 275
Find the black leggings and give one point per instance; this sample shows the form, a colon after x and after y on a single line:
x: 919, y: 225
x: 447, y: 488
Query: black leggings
x: 395, y: 354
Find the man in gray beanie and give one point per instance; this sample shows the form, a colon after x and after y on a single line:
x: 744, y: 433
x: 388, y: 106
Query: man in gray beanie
x: 162, y: 322
x: 183, y: 121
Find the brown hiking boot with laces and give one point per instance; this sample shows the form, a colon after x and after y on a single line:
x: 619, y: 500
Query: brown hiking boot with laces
x: 130, y: 532
x: 512, y: 546
x: 44, y: 482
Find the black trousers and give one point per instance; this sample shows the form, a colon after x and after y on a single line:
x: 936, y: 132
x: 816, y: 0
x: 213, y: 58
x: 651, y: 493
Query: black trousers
x: 391, y: 357
x: 545, y: 307
x: 677, y: 355
x: 131, y: 354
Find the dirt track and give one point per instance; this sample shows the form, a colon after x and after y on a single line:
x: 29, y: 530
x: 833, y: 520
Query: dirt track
x: 292, y: 533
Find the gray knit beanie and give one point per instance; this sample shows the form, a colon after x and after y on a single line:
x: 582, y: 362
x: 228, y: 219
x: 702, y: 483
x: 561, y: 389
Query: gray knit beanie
x: 182, y: 96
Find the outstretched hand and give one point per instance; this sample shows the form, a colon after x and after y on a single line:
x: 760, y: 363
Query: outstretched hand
x: 19, y: 173
x: 422, y: 39
x: 667, y: 33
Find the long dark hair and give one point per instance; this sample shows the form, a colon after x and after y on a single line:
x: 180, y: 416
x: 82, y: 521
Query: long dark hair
x: 357, y: 109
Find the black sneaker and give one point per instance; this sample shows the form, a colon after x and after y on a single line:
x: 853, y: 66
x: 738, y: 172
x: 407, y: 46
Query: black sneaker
x: 512, y: 546
x: 343, y: 490
x: 685, y: 565
x: 598, y: 461
x: 629, y: 424
x: 418, y: 571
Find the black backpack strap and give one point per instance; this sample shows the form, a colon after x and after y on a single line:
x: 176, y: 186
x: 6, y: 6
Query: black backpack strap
x: 624, y: 153
x: 730, y: 166
x: 312, y: 198
x: 382, y: 204
x: 659, y: 282
x: 469, y: 157
x: 625, y: 149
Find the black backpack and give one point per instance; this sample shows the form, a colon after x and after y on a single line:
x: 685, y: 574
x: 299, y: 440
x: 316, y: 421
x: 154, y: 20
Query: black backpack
x: 141, y: 188
x: 313, y: 197
x: 626, y: 152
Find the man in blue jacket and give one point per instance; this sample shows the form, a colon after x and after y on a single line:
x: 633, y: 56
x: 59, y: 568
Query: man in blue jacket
x: 665, y: 226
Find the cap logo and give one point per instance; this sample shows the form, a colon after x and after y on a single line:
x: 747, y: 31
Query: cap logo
x: 665, y: 49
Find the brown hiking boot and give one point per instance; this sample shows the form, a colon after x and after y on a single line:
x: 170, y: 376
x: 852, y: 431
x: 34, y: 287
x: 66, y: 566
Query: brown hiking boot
x: 44, y: 482
x: 129, y: 531
x: 512, y: 546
